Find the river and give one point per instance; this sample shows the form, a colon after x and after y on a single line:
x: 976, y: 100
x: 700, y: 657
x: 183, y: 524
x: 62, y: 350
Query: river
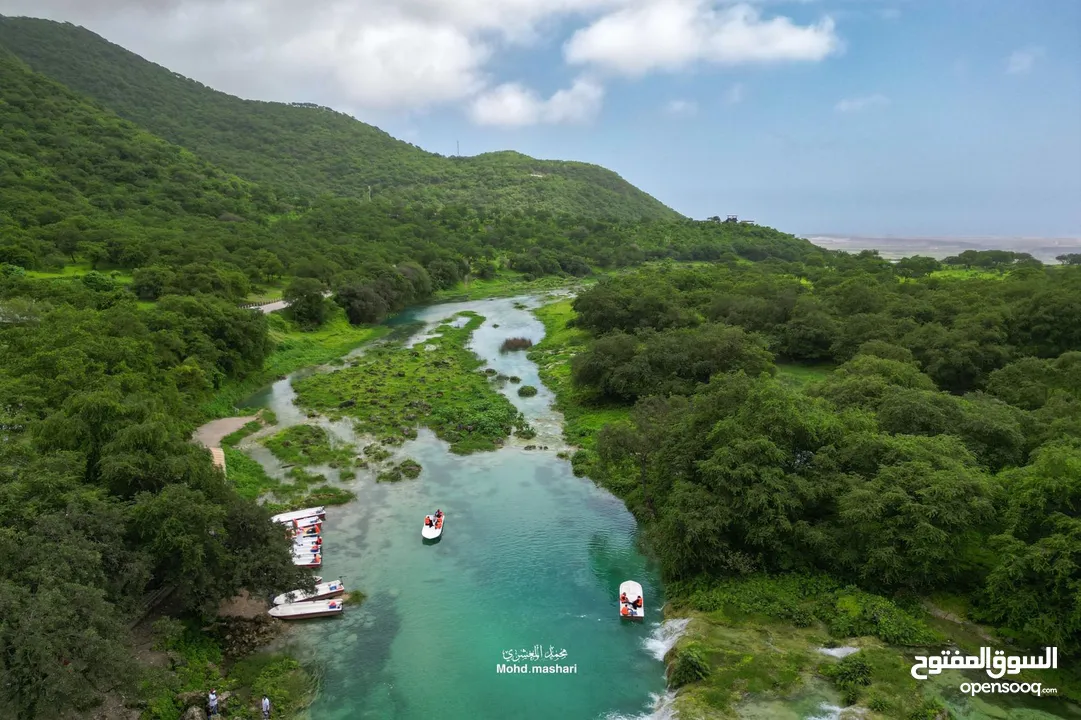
x: 531, y: 556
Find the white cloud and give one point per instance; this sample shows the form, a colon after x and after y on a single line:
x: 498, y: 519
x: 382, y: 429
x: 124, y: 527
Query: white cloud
x: 681, y: 108
x: 1021, y: 61
x: 861, y: 103
x: 734, y: 94
x: 672, y: 34
x: 375, y: 56
x: 513, y: 105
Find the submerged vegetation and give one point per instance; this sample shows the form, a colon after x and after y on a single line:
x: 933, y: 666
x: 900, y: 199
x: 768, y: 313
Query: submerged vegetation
x: 392, y: 389
x: 308, y: 445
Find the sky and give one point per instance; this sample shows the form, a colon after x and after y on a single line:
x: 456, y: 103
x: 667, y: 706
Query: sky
x: 860, y: 117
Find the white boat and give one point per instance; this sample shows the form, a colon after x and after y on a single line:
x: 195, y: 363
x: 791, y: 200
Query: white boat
x: 304, y: 558
x: 436, y: 529
x: 307, y: 609
x: 307, y: 545
x: 287, y: 517
x: 323, y: 591
x: 311, y: 531
x: 632, y: 591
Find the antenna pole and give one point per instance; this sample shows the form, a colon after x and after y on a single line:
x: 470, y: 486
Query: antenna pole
x: 458, y: 148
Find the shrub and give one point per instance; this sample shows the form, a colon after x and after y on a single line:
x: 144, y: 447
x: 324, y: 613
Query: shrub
x: 688, y: 665
x: 527, y: 391
x: 517, y: 343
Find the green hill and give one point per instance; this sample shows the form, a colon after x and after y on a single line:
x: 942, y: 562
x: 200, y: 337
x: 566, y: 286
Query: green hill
x: 78, y: 179
x: 303, y: 150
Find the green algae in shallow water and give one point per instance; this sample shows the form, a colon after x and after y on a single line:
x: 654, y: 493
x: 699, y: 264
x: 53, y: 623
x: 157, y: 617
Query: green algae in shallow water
x: 527, y: 391
x: 307, y: 445
x: 394, y: 389
x: 408, y: 468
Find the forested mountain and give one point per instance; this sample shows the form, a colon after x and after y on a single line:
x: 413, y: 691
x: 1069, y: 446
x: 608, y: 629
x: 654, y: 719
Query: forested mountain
x: 81, y: 183
x: 303, y: 151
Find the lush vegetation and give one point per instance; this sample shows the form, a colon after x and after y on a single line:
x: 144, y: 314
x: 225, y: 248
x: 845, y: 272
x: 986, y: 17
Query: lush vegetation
x: 391, y: 390
x: 304, y: 151
x: 923, y: 436
x: 103, y: 501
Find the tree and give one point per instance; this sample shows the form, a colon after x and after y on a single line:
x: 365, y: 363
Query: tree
x: 640, y: 439
x: 306, y: 302
x: 270, y: 266
x: 361, y: 303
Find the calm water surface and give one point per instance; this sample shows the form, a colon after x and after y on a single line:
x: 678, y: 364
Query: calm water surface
x: 530, y: 556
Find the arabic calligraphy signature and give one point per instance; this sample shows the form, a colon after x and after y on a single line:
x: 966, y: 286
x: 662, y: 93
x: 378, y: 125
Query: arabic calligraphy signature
x: 536, y: 653
x: 996, y: 662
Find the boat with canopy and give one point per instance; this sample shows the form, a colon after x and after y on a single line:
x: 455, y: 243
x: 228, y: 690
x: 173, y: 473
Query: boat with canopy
x: 632, y: 603
x: 433, y: 525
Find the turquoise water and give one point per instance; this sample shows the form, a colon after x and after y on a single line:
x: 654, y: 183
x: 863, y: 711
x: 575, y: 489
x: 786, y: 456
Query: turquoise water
x: 530, y: 556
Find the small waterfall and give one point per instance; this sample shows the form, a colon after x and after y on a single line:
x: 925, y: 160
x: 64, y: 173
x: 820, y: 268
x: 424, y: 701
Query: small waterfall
x: 665, y: 636
x: 662, y: 707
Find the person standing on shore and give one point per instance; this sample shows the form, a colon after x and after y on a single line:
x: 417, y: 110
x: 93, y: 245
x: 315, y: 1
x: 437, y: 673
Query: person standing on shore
x: 266, y: 708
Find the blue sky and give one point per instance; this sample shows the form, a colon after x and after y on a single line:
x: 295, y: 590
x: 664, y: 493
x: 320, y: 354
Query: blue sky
x: 864, y: 117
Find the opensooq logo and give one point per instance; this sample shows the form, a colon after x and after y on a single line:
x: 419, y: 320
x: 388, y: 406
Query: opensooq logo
x: 996, y: 663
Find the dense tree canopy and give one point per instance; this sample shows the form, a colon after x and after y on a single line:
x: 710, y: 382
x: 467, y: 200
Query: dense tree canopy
x: 303, y: 151
x: 942, y: 453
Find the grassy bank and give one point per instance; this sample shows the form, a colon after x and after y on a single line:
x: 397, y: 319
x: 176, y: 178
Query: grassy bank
x: 294, y: 349
x: 199, y: 660
x: 506, y: 284
x: 583, y: 414
x: 392, y: 389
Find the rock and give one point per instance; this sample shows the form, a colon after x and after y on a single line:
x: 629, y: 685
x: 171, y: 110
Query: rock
x: 195, y: 713
x: 193, y: 697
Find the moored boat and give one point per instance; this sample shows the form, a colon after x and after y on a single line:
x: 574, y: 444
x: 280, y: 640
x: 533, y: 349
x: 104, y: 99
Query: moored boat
x: 323, y: 591
x: 634, y: 604
x: 308, y: 522
x: 304, y: 558
x: 307, y: 609
x: 287, y: 517
x: 431, y: 532
x: 310, y: 531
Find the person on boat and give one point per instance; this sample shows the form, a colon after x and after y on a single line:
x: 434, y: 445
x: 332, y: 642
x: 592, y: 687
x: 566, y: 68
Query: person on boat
x: 266, y: 707
x: 439, y: 513
x: 212, y: 702
x: 624, y: 611
x: 623, y: 598
x: 427, y: 520
x: 638, y: 602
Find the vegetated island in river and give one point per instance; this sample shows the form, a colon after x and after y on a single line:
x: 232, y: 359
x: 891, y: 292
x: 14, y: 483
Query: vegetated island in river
x: 824, y: 518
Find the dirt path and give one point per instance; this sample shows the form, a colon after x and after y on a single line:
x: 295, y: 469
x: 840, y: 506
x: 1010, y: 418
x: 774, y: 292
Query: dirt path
x: 211, y: 434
